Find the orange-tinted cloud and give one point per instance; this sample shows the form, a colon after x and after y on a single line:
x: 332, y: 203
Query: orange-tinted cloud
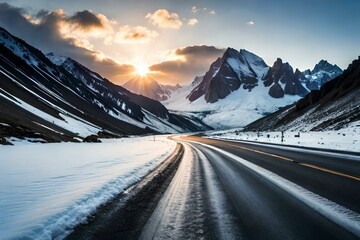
x: 129, y: 34
x: 188, y: 62
x: 45, y: 31
x: 50, y: 32
x: 164, y: 19
x: 192, y: 21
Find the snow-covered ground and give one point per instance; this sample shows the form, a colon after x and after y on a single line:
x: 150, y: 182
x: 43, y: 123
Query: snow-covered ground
x: 347, y: 139
x: 46, y: 189
x: 240, y: 108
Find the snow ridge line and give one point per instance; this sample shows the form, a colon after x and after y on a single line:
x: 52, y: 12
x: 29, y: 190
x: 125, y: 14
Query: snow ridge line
x: 342, y: 216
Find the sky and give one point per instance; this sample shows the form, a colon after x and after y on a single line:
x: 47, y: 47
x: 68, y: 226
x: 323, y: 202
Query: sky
x: 179, y: 39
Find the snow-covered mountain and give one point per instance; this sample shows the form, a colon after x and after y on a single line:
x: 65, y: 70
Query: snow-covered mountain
x: 228, y: 73
x: 66, y: 101
x: 322, y: 73
x: 150, y: 88
x: 240, y: 87
x: 335, y: 106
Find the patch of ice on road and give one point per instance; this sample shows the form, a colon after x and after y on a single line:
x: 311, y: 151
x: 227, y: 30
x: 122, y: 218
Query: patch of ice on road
x: 48, y: 189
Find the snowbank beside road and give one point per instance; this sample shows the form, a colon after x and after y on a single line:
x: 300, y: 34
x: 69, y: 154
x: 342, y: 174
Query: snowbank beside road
x: 46, y: 189
x: 345, y: 139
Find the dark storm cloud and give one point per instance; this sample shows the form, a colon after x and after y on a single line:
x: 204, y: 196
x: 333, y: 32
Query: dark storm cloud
x: 86, y: 20
x: 42, y: 13
x: 192, y: 61
x: 199, y: 50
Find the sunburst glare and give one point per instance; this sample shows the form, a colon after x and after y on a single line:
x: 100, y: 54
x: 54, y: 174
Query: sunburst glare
x: 142, y: 70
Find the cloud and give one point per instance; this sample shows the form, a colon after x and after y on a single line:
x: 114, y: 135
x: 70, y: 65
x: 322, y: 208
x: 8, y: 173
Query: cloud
x: 129, y: 34
x: 48, y: 31
x: 164, y: 19
x: 194, y: 9
x: 86, y: 20
x: 250, y: 23
x: 186, y: 63
x: 72, y: 35
x: 192, y: 21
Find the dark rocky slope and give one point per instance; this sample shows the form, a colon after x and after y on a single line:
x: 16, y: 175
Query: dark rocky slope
x: 334, y: 106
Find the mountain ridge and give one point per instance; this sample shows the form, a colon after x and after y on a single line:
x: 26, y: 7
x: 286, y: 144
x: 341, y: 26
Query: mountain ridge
x: 147, y: 86
x: 39, y: 98
x: 243, y: 87
x: 334, y: 106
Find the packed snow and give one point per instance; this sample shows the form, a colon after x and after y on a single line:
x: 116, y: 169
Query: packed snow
x: 238, y: 109
x: 46, y: 189
x: 347, y: 139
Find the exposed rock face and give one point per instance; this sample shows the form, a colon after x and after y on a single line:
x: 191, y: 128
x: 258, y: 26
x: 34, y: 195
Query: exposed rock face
x: 276, y: 91
x: 202, y: 88
x: 282, y: 73
x: 92, y: 138
x: 336, y: 88
x: 244, y: 69
x: 322, y: 73
x: 227, y: 74
x: 335, y: 105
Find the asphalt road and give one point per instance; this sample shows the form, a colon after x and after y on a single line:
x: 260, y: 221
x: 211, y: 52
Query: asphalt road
x: 233, y: 190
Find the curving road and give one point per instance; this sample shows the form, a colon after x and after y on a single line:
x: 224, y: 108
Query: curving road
x: 240, y: 190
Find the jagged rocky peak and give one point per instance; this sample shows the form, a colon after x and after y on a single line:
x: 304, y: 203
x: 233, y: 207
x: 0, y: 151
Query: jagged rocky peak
x: 282, y: 80
x: 334, y: 106
x: 324, y: 65
x: 231, y: 53
x: 243, y: 70
x: 321, y: 74
x: 233, y: 70
x: 278, y: 72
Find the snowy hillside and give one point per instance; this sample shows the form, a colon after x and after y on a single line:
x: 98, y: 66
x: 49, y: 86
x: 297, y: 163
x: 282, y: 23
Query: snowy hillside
x: 335, y: 106
x: 61, y: 100
x: 240, y: 108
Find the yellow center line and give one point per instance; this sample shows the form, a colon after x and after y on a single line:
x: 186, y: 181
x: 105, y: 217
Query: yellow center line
x: 330, y: 171
x: 302, y: 164
x: 264, y: 153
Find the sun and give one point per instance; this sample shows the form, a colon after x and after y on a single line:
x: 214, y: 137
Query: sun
x: 142, y: 70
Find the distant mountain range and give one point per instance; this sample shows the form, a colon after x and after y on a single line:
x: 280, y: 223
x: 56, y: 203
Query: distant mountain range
x: 51, y: 98
x: 148, y: 87
x: 334, y: 106
x: 240, y: 88
x: 244, y: 69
